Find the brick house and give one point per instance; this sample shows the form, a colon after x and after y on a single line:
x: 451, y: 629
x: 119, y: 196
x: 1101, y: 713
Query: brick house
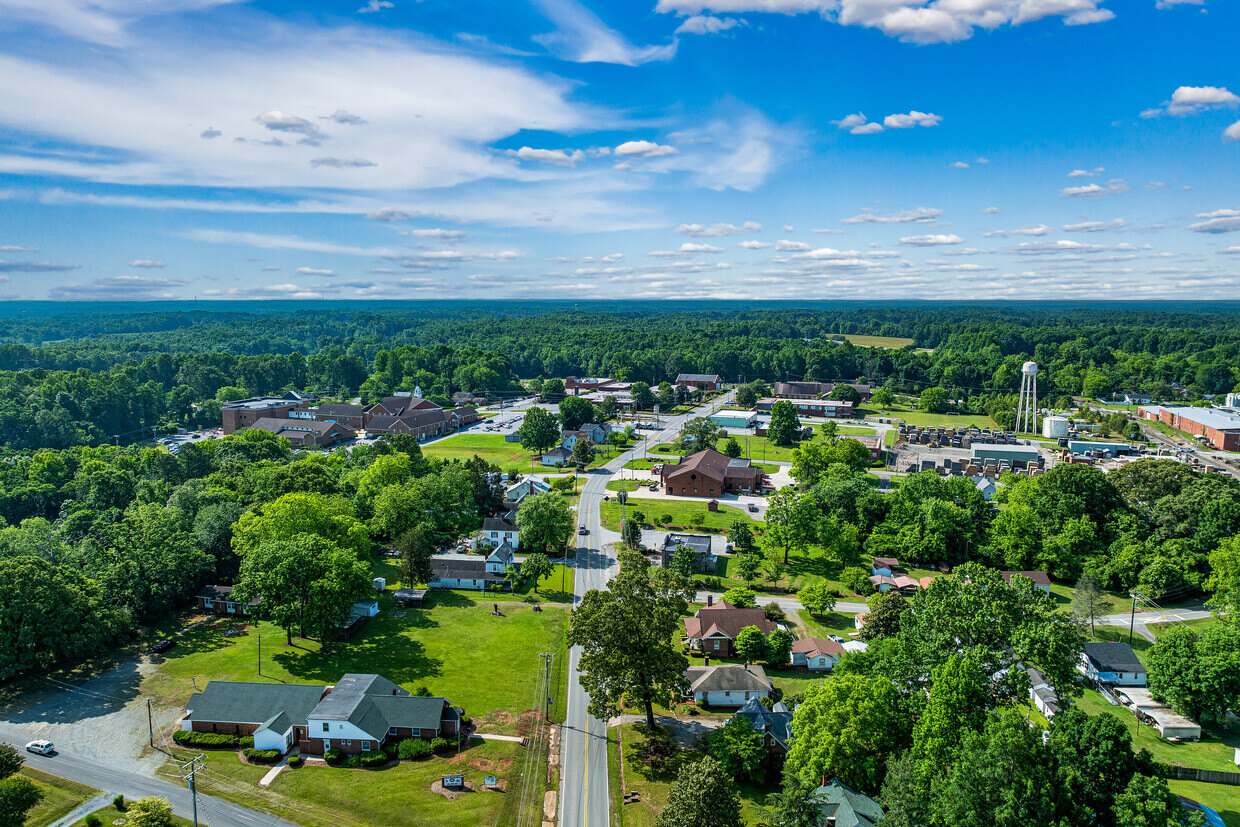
x: 351, y: 416
x: 713, y: 629
x: 402, y: 403
x: 219, y: 600
x: 359, y: 714
x: 420, y: 424
x: 709, y: 474
x: 700, y: 381
x: 306, y: 433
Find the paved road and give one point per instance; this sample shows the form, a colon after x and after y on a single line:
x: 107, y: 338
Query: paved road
x: 584, y: 796
x: 114, y: 779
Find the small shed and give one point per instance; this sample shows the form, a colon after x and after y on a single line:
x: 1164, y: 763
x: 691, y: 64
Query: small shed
x: 410, y: 597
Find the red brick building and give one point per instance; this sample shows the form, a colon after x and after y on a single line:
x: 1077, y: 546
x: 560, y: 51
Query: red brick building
x: 243, y: 413
x: 709, y: 474
x: 1220, y: 428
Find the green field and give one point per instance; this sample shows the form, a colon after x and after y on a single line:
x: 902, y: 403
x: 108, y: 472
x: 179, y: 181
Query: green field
x: 1221, y: 797
x: 835, y: 623
x: 399, y: 796
x: 626, y: 485
x: 454, y: 647
x: 1213, y: 752
x: 890, y: 342
x: 680, y: 510
x: 492, y: 448
x: 914, y: 417
x: 1160, y: 629
x: 60, y: 797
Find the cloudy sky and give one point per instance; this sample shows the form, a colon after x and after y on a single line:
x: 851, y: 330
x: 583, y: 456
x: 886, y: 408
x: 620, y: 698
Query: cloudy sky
x: 806, y: 149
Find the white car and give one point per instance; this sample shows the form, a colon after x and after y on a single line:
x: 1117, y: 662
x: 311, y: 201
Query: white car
x: 41, y: 747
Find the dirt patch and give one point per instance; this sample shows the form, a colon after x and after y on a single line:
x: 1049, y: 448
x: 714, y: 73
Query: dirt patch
x: 452, y: 792
x: 492, y: 721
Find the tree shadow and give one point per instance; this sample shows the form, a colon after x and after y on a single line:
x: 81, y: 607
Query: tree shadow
x: 66, y: 703
x: 449, y: 598
x: 397, y: 657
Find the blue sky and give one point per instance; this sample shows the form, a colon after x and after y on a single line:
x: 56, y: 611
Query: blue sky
x: 816, y: 149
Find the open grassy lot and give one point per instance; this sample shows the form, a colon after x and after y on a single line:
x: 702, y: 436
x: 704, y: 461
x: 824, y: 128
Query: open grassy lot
x: 1160, y: 629
x: 1221, y: 797
x: 681, y: 511
x: 654, y: 785
x: 1213, y: 752
x: 626, y: 485
x: 110, y: 815
x: 1061, y: 593
x: 492, y: 448
x: 60, y: 797
x: 834, y: 623
x: 803, y: 570
x: 322, y: 796
x: 454, y: 647
x: 915, y: 417
x: 861, y: 340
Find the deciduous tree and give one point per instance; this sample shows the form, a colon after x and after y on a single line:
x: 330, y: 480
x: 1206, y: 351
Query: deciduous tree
x: 1197, y: 673
x: 739, y: 749
x: 751, y: 644
x: 539, y: 431
x: 536, y: 567
x: 785, y: 425
x: 546, y: 523
x: 703, y: 796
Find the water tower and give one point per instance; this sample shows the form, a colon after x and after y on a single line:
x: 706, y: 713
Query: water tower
x: 1027, y: 409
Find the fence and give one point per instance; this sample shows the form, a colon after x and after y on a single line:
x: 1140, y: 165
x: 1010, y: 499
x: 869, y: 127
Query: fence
x: 1193, y: 774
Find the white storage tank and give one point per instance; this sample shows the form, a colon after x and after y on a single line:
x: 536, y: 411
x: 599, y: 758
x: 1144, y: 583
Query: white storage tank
x: 1055, y: 427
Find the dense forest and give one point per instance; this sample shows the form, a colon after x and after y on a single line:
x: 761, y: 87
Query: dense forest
x: 95, y: 378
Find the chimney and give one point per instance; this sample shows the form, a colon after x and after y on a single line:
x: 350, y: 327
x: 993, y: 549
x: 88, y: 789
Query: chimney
x: 710, y: 600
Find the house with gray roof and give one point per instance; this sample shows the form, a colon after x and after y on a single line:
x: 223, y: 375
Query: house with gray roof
x: 727, y: 684
x: 359, y: 714
x: 775, y: 724
x: 473, y: 571
x: 1112, y: 662
x: 704, y: 562
x: 842, y: 806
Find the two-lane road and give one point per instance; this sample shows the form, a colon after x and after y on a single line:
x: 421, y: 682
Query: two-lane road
x: 584, y: 795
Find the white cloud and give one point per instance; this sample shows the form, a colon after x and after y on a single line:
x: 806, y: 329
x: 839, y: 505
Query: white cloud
x: 117, y: 287
x: 147, y: 264
x: 911, y: 119
x: 314, y: 271
x: 436, y: 232
x: 277, y: 121
x: 341, y: 163
x: 376, y: 6
x: 283, y: 242
x: 1230, y: 251
x: 1219, y: 221
x: 582, y: 37
x: 1189, y: 100
x: 827, y: 231
x: 645, y: 149
x: 753, y: 245
x: 210, y: 132
x: 1232, y: 132
x: 990, y: 210
x: 343, y: 116
x: 14, y: 248
x: 960, y: 165
x: 388, y: 214
x: 705, y: 24
x: 692, y: 247
x: 718, y: 230
x: 790, y: 246
x: 788, y: 228
x: 1095, y: 226
x: 919, y: 215
x: 931, y: 240
x: 548, y: 156
x: 1086, y: 173
x: 1040, y: 229
x: 35, y: 267
x: 1114, y: 186
x: 913, y: 21
x: 96, y: 21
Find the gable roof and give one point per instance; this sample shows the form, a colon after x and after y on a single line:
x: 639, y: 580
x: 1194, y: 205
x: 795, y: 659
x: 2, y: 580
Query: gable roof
x: 1113, y: 657
x: 279, y: 426
x: 340, y: 409
x: 238, y: 702
x: 730, y: 677
x: 374, y: 704
x: 777, y: 718
x: 504, y: 522
x: 699, y: 377
x: 848, y: 807
x: 1038, y: 577
x: 709, y: 463
x: 813, y: 647
x: 724, y: 618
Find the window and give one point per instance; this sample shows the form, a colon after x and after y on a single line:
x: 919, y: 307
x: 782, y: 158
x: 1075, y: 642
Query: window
x: 391, y: 730
x: 207, y: 603
x: 365, y: 746
x: 325, y: 726
x: 348, y: 743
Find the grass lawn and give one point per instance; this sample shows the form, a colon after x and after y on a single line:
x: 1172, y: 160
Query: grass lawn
x: 109, y: 815
x: 492, y: 448
x: 1160, y: 629
x: 453, y: 646
x: 914, y: 417
x: 1221, y: 797
x: 642, y: 464
x: 1117, y: 602
x: 626, y: 485
x: 802, y: 570
x: 681, y: 512
x: 860, y: 340
x: 834, y: 623
x: 321, y: 796
x: 60, y: 797
x: 653, y: 786
x: 1213, y: 752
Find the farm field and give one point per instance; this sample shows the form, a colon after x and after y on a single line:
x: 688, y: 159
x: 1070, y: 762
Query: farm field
x: 890, y: 342
x: 453, y: 646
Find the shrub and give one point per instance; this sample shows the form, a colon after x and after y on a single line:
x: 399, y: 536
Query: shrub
x: 857, y: 579
x: 412, y: 749
x: 657, y: 750
x: 772, y: 611
x: 353, y: 761
x: 118, y: 802
x: 666, y: 519
x: 638, y: 516
x: 333, y: 756
x: 261, y: 756
x: 246, y: 741
x: 442, y: 745
x: 374, y: 759
x: 296, y: 761
x: 93, y: 820
x: 467, y: 723
x: 207, y: 740
x: 390, y: 749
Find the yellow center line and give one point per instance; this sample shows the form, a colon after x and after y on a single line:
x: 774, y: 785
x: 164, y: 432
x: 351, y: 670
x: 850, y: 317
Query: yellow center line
x: 585, y: 793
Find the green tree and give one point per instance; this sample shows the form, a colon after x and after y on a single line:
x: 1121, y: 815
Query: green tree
x: 934, y: 400
x: 1225, y: 580
x: 848, y: 727
x: 883, y: 398
x: 626, y: 637
x: 18, y: 796
x: 751, y: 644
x: 684, y: 559
x: 536, y: 567
x: 739, y: 749
x: 545, y: 523
x: 732, y: 448
x: 553, y: 390
x: 1148, y: 802
x: 785, y: 425
x: 797, y: 804
x: 445, y: 503
x: 703, y: 796
x: 778, y: 648
x: 790, y: 521
x: 740, y: 535
x: 844, y: 393
x: 817, y: 598
x: 631, y: 532
x: 774, y: 569
x: 957, y: 705
x: 10, y: 761
x: 416, y: 548
x: 583, y: 454
x: 575, y: 412
x: 829, y: 431
x: 887, y: 610
x: 329, y: 517
x: 392, y: 469
x: 540, y: 430
x: 1197, y: 673
x: 740, y: 598
x: 643, y: 397
x: 700, y: 433
x: 747, y: 566
x: 810, y: 461
x: 1089, y: 599
x: 1093, y: 761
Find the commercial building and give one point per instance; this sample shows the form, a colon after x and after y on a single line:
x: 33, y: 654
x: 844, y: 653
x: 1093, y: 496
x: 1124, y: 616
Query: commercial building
x: 709, y: 474
x: 701, y: 381
x: 1219, y: 428
x: 306, y: 433
x: 734, y: 419
x: 1019, y: 456
x: 242, y: 413
x: 826, y: 408
x: 1055, y: 427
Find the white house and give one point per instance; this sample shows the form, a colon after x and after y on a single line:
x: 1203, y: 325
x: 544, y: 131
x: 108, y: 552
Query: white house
x: 1042, y: 694
x: 499, y: 530
x: 728, y: 684
x: 1112, y: 663
x: 815, y: 654
x: 556, y: 457
x: 472, y: 571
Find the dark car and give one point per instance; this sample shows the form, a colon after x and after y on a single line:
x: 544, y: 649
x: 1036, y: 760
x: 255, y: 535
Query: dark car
x: 583, y: 530
x: 162, y: 646
x: 753, y: 507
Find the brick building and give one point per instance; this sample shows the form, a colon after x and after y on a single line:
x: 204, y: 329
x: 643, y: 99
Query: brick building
x: 709, y: 474
x: 243, y: 413
x: 1220, y: 428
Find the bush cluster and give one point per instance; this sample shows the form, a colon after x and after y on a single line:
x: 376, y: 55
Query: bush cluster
x: 333, y: 756
x: 261, y: 756
x: 210, y: 740
x: 412, y: 749
x: 442, y: 745
x: 296, y: 761
x: 374, y: 759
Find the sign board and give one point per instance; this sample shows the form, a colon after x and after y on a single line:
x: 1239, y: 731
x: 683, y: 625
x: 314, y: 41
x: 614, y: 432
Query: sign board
x: 453, y: 780
x: 489, y: 780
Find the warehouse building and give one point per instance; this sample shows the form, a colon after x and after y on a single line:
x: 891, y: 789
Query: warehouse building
x: 1220, y: 429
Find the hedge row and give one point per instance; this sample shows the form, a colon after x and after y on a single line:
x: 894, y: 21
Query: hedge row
x: 261, y: 756
x: 211, y: 740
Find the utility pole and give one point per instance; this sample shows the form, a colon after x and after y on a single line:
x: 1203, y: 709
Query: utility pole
x: 150, y: 722
x: 1132, y: 617
x: 187, y: 772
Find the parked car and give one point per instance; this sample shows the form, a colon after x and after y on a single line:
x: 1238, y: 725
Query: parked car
x: 162, y: 646
x: 753, y: 507
x: 41, y: 747
x: 583, y: 530
x: 654, y: 486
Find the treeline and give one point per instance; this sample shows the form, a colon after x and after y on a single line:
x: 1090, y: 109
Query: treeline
x: 99, y: 540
